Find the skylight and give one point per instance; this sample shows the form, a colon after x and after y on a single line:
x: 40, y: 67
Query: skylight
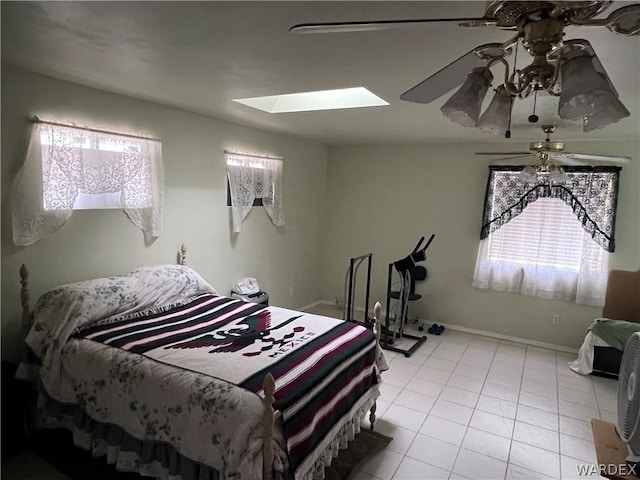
x: 356, y: 97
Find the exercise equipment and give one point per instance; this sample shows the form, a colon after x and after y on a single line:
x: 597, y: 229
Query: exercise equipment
x: 350, y: 289
x: 409, y: 272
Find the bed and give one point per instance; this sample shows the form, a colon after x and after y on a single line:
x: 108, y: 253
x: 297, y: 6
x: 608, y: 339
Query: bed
x: 164, y: 377
x: 601, y: 350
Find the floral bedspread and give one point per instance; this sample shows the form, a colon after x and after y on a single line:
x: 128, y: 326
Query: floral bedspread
x: 63, y: 310
x: 148, y: 399
x: 206, y: 419
x: 209, y: 421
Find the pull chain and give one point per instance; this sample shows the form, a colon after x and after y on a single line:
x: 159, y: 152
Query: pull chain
x: 507, y: 134
x: 533, y: 118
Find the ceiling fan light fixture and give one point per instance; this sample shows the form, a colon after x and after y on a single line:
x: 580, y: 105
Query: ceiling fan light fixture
x: 529, y: 174
x: 569, y: 69
x: 610, y: 113
x: 543, y: 171
x: 549, y: 157
x: 557, y: 174
x: 587, y: 93
x: 495, y: 119
x: 464, y: 106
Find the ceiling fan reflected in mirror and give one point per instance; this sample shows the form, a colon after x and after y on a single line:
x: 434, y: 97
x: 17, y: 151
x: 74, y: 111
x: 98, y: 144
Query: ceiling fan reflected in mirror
x: 569, y: 69
x: 548, y: 156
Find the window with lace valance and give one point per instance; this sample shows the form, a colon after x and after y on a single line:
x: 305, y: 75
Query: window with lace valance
x: 72, y: 168
x: 548, y: 240
x: 251, y: 177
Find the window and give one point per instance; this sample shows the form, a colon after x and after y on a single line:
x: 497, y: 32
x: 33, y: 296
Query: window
x: 546, y: 233
x: 87, y: 170
x: 257, y: 202
x: 546, y: 240
x: 252, y: 177
x: 70, y: 168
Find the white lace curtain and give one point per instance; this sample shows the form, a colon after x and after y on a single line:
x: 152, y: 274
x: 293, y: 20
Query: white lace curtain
x: 68, y: 167
x: 252, y: 177
x: 544, y: 276
x: 549, y: 241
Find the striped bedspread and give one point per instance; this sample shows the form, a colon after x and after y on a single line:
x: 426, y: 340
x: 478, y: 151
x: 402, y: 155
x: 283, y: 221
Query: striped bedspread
x: 321, y: 365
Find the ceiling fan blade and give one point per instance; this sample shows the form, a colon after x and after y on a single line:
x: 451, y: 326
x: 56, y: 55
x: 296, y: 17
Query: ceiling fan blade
x: 343, y: 27
x: 453, y: 74
x: 593, y: 158
x: 505, y: 153
x: 515, y: 157
x: 558, y: 158
x: 625, y: 21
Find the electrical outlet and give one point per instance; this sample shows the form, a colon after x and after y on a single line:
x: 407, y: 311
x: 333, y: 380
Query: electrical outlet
x: 291, y: 291
x: 555, y: 318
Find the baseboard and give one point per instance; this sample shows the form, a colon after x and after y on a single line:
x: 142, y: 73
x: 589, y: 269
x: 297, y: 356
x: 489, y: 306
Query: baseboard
x: 315, y: 304
x: 526, y: 341
x: 484, y: 333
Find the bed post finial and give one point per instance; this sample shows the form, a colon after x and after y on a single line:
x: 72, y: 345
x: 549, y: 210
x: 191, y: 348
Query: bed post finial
x: 377, y: 320
x: 377, y: 325
x: 182, y: 256
x: 269, y: 388
x: 25, y: 296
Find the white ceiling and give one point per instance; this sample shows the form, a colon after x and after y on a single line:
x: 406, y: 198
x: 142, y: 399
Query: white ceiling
x: 200, y: 55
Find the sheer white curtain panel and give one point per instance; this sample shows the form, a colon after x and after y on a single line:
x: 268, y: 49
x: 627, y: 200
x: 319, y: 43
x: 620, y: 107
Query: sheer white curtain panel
x: 69, y: 168
x: 544, y: 253
x: 252, y: 177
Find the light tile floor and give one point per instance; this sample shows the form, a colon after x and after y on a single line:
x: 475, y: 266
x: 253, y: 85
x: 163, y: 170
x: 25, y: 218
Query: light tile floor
x: 469, y: 406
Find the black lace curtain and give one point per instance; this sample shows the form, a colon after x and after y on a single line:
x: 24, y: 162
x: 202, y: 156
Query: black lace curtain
x: 592, y: 193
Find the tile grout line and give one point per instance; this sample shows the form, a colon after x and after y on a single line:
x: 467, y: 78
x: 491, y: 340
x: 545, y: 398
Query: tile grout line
x: 466, y: 430
x: 557, y: 378
x: 429, y: 413
x: 558, y: 418
x: 530, y: 363
x: 515, y: 419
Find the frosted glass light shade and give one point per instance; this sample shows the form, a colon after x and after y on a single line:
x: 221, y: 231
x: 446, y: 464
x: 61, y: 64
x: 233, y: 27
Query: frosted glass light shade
x: 587, y: 94
x: 612, y: 113
x: 495, y: 118
x: 464, y: 106
x: 529, y: 174
x: 543, y: 172
x: 557, y: 174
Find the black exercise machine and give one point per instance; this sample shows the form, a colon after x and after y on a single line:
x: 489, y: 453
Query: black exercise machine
x: 350, y: 289
x: 409, y: 273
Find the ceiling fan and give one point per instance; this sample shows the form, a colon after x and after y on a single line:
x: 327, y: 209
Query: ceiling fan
x: 548, y: 156
x: 507, y: 15
x: 548, y: 151
x: 539, y: 28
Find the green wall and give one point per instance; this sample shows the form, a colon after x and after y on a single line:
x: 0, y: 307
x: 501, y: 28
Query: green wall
x: 382, y: 199
x: 104, y: 242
